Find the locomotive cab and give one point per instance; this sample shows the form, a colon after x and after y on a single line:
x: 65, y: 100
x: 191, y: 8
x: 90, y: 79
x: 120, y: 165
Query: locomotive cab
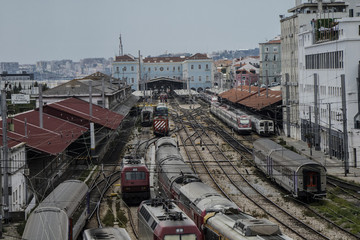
x: 135, y: 184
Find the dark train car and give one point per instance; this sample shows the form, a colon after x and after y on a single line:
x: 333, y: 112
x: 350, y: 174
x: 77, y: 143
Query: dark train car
x: 161, y: 120
x: 159, y: 219
x: 61, y: 215
x: 147, y: 115
x: 237, y: 120
x: 163, y: 97
x: 135, y: 183
x: 216, y: 216
x: 299, y: 175
x: 107, y: 233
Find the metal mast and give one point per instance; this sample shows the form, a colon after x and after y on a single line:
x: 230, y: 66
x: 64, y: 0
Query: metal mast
x: 121, y: 52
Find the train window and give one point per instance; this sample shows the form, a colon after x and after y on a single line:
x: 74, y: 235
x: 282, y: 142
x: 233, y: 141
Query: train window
x: 180, y: 237
x: 210, y: 235
x: 135, y: 175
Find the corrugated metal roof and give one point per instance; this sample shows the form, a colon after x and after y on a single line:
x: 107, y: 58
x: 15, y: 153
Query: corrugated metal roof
x: 55, y: 136
x: 252, y: 99
x: 80, y: 109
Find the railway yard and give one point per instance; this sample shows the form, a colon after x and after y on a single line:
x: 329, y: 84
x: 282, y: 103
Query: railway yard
x: 223, y: 160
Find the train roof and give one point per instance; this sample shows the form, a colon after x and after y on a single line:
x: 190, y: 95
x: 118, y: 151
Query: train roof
x: 206, y: 198
x: 67, y: 196
x: 110, y: 233
x: 130, y: 161
x: 47, y: 223
x: 165, y: 141
x: 147, y: 109
x: 165, y: 213
x: 238, y: 227
x: 283, y: 155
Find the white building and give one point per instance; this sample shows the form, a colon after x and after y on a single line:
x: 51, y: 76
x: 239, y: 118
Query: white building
x: 326, y: 56
x: 302, y: 15
x: 18, y: 189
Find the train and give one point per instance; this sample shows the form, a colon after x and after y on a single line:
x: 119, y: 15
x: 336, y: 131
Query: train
x: 161, y: 120
x: 163, y: 97
x: 110, y: 233
x: 61, y: 215
x: 135, y: 180
x: 161, y: 219
x: 302, y: 177
x: 216, y: 216
x: 146, y: 116
x: 237, y: 120
x: 262, y: 126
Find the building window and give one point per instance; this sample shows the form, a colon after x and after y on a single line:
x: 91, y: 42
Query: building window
x: 267, y: 49
x: 192, y: 66
x: 275, y: 49
x: 149, y: 69
x: 199, y: 78
x: 161, y: 69
x: 207, y: 66
x: 132, y: 68
x: 199, y: 66
x: 117, y: 69
x: 179, y: 69
x: 124, y: 69
x: 192, y: 78
x: 207, y: 78
x: 155, y: 68
x: 132, y: 80
x: 173, y: 69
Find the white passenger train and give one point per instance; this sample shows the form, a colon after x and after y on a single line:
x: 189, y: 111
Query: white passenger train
x: 262, y: 126
x: 237, y: 120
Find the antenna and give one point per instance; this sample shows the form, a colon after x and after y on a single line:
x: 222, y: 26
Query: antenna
x: 121, y: 52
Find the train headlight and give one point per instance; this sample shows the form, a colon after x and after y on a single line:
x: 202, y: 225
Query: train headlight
x: 179, y: 230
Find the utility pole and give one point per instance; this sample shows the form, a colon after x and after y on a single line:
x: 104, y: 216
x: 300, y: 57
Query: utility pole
x: 330, y: 142
x: 267, y: 84
x: 40, y: 106
x: 343, y: 93
x: 316, y: 113
x: 287, y: 104
x: 310, y: 135
x: 103, y: 92
x: 5, y: 205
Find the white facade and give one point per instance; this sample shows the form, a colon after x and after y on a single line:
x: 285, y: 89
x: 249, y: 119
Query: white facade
x: 329, y: 60
x: 18, y: 191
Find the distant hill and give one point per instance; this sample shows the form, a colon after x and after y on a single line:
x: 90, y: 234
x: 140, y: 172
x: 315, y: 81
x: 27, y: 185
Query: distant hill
x: 231, y: 54
x: 226, y: 54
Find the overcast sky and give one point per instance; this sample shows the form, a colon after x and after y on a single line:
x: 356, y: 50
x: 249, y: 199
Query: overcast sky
x: 35, y: 30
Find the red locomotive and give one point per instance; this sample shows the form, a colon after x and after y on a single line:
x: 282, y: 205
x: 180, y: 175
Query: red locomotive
x: 135, y: 183
x: 161, y: 120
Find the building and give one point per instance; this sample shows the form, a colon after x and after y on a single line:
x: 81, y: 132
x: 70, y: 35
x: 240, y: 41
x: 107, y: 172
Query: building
x: 9, y: 67
x: 106, y: 91
x: 270, y: 61
x: 246, y: 75
x: 302, y: 16
x: 329, y: 94
x: 197, y: 70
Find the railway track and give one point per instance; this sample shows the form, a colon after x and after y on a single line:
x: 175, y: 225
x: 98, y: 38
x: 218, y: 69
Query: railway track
x: 348, y: 191
x: 272, y: 209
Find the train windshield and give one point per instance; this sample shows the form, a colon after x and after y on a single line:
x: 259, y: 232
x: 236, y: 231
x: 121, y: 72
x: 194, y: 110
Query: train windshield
x: 182, y: 237
x: 135, y: 175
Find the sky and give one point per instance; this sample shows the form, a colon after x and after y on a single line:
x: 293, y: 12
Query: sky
x: 44, y: 30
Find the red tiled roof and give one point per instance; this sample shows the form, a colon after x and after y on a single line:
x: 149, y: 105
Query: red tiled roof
x: 124, y: 58
x: 80, y: 109
x: 55, y: 136
x: 198, y: 56
x: 163, y: 59
x: 252, y: 99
